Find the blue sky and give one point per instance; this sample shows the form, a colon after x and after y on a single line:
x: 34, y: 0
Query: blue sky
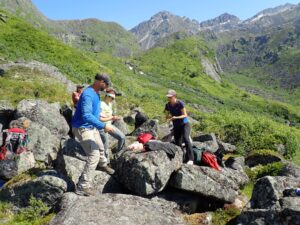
x: 130, y: 13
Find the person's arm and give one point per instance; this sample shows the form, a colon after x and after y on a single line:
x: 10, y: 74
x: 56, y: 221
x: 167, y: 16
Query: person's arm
x: 106, y: 118
x: 87, y: 113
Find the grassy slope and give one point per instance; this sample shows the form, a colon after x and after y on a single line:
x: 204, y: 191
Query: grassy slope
x: 23, y: 83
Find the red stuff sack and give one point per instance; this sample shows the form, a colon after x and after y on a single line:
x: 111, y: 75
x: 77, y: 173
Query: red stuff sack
x: 145, y: 137
x: 210, y: 160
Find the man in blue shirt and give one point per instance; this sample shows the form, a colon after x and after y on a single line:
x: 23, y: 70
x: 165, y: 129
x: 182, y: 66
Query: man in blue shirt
x: 85, y: 125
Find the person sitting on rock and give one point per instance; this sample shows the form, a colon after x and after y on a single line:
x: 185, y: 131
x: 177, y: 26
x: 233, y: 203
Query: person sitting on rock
x: 15, y: 139
x: 85, y: 126
x: 176, y: 112
x: 76, y: 94
x: 107, y: 117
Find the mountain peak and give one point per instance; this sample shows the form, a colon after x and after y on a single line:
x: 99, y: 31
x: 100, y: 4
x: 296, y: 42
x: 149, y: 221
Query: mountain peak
x: 163, y: 14
x: 221, y: 23
x: 162, y: 25
x: 271, y: 12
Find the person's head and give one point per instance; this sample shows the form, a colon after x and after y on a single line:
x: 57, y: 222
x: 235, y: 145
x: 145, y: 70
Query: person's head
x: 26, y: 124
x: 171, y: 95
x: 101, y: 82
x: 79, y: 88
x: 110, y: 95
x: 22, y: 123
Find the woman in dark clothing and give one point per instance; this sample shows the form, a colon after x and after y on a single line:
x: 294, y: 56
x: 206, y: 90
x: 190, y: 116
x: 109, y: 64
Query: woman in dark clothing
x: 176, y: 112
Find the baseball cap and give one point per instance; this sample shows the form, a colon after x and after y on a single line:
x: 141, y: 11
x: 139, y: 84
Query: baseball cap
x: 103, y: 77
x: 171, y: 93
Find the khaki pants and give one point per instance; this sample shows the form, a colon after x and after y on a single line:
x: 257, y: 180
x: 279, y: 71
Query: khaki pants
x: 93, y: 147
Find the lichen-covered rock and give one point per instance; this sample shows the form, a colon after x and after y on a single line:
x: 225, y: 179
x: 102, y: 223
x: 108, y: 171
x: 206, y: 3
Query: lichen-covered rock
x: 47, y: 188
x: 206, y: 182
x: 146, y: 173
x: 115, y: 209
x: 207, y: 142
x: 43, y: 144
x: 46, y: 114
x: 73, y: 167
x: 25, y: 161
x: 290, y: 170
x: 150, y: 126
x: 268, y: 191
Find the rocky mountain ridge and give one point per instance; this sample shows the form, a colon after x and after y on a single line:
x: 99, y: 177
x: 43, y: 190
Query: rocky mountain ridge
x: 164, y: 24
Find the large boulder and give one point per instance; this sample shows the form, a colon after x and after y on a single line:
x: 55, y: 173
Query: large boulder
x: 207, y: 142
x: 67, y: 112
x: 115, y: 209
x: 150, y: 126
x: 290, y: 170
x: 262, y: 159
x: 226, y: 147
x: 268, y: 191
x: 236, y: 163
x: 73, y: 167
x: 71, y: 147
x: 205, y: 181
x: 164, y: 132
x: 121, y: 125
x: 42, y: 143
x: 259, y: 217
x: 25, y: 161
x: 46, y: 114
x: 146, y: 173
x: 6, y: 115
x: 288, y: 214
x: 10, y: 168
x: 238, y: 176
x: 140, y: 118
x: 185, y: 201
x: 47, y: 188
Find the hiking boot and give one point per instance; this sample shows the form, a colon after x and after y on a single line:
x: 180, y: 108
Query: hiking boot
x: 85, y: 191
x: 107, y: 169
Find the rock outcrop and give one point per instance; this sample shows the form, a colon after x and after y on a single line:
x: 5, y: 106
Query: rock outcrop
x: 115, y: 209
x: 146, y: 173
x: 208, y: 182
x: 46, y: 114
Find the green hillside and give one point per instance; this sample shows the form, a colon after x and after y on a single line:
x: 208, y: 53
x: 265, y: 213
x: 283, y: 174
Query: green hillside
x: 266, y: 63
x: 89, y: 34
x: 96, y: 36
x: 246, y: 120
x: 19, y: 40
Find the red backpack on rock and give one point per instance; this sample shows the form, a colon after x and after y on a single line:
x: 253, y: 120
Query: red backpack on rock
x: 210, y: 160
x: 15, y: 142
x: 145, y: 137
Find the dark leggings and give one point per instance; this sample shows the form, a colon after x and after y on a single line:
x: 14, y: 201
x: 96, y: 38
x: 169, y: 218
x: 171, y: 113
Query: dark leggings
x: 184, y: 131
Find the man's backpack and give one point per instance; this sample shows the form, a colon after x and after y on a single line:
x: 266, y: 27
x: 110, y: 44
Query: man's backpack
x: 15, y: 142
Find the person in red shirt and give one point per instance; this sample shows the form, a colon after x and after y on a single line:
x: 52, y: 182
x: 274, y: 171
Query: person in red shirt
x: 76, y: 94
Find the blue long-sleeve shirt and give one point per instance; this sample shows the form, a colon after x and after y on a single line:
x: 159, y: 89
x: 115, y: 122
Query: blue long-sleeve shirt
x: 88, y: 110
